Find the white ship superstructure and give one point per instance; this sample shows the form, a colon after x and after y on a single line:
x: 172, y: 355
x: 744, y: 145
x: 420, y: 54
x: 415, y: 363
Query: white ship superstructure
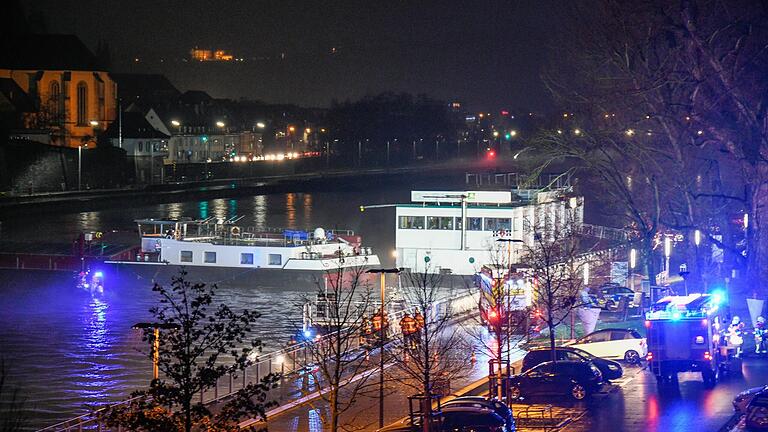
x: 223, y: 243
x: 456, y: 232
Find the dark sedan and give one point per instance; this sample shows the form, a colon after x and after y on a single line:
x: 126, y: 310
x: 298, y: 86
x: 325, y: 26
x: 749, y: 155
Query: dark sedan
x: 609, y: 368
x: 577, y: 379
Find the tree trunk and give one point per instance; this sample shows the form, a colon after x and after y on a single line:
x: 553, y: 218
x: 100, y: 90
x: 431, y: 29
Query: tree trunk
x: 334, y: 405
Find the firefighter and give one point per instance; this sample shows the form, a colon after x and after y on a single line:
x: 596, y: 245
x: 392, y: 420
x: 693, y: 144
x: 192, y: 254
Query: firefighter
x: 366, y: 329
x: 380, y: 323
x: 761, y: 331
x: 419, y: 320
x: 409, y: 327
x: 734, y: 336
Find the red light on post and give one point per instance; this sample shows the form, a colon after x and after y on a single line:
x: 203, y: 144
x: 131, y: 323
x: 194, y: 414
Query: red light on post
x: 491, y: 154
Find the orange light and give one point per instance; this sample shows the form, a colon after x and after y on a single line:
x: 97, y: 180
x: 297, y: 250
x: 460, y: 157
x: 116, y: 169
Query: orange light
x: 291, y: 129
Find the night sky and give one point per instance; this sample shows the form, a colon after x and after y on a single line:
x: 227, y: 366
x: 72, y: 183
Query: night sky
x: 487, y: 54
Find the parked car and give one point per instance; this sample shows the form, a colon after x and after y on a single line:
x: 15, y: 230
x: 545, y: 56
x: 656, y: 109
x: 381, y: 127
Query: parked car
x: 577, y: 379
x: 743, y: 399
x: 613, y: 294
x: 757, y: 412
x: 625, y: 344
x: 466, y: 414
x: 608, y: 368
x: 499, y: 407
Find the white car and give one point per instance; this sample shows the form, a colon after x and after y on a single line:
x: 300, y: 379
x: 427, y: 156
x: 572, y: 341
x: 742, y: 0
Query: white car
x: 624, y: 344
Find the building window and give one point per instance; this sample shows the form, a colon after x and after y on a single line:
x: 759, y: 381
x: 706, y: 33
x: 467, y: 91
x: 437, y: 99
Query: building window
x: 82, y: 104
x: 497, y: 224
x: 246, y: 258
x: 474, y: 224
x: 186, y: 256
x: 411, y: 222
x: 141, y: 146
x: 54, y: 100
x: 439, y: 223
x: 210, y: 257
x: 275, y: 259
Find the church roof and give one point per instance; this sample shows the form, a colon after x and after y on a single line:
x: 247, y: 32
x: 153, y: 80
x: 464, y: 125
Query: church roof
x: 45, y: 52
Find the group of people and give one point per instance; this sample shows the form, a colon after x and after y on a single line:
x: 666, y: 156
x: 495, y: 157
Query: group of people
x: 410, y: 326
x: 734, y: 336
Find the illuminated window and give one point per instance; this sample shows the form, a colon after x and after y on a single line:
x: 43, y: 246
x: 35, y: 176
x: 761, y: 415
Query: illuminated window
x: 474, y: 224
x: 497, y: 224
x: 439, y: 223
x: 411, y: 222
x: 82, y: 104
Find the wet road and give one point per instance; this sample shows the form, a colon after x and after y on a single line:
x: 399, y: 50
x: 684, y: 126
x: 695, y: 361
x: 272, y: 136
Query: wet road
x: 640, y: 405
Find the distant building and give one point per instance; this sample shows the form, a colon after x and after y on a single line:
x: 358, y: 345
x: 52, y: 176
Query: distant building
x: 199, y: 54
x: 73, y: 97
x: 145, y: 146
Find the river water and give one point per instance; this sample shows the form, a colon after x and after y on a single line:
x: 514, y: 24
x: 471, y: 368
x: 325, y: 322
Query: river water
x: 67, y: 351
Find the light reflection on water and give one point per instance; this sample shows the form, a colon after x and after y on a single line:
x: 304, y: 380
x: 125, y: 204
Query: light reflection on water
x: 69, y: 350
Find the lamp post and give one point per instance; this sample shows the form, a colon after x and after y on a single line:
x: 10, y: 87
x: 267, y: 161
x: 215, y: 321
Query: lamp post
x: 667, y: 253
x: 509, y: 242
x: 79, y: 166
x: 156, y: 341
x: 632, y: 264
x: 382, y: 273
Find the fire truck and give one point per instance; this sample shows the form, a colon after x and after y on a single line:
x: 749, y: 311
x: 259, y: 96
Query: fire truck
x: 496, y: 284
x: 685, y: 333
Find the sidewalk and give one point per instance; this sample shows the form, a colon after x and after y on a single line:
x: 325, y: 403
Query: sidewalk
x: 306, y: 413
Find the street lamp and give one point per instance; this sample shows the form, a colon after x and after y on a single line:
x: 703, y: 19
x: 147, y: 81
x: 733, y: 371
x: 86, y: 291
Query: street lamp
x: 383, y: 273
x: 667, y: 252
x: 632, y: 264
x: 94, y: 123
x: 509, y: 242
x: 261, y: 125
x: 220, y: 124
x: 156, y: 341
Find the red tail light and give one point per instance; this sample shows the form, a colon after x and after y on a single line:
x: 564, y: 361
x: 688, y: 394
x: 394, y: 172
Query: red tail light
x: 649, y: 357
x: 707, y: 356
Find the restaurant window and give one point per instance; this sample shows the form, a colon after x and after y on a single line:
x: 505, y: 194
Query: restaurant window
x: 411, y: 222
x: 497, y: 224
x: 439, y: 223
x: 186, y: 256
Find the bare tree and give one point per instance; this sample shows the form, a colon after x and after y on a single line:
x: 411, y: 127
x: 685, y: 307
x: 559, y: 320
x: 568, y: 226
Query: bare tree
x: 203, y: 343
x: 433, y: 351
x: 558, y: 264
x: 504, y: 303
x: 681, y: 86
x: 343, y: 300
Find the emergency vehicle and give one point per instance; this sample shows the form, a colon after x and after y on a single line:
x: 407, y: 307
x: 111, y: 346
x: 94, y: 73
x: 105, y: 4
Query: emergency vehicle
x: 684, y: 333
x: 496, y: 283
